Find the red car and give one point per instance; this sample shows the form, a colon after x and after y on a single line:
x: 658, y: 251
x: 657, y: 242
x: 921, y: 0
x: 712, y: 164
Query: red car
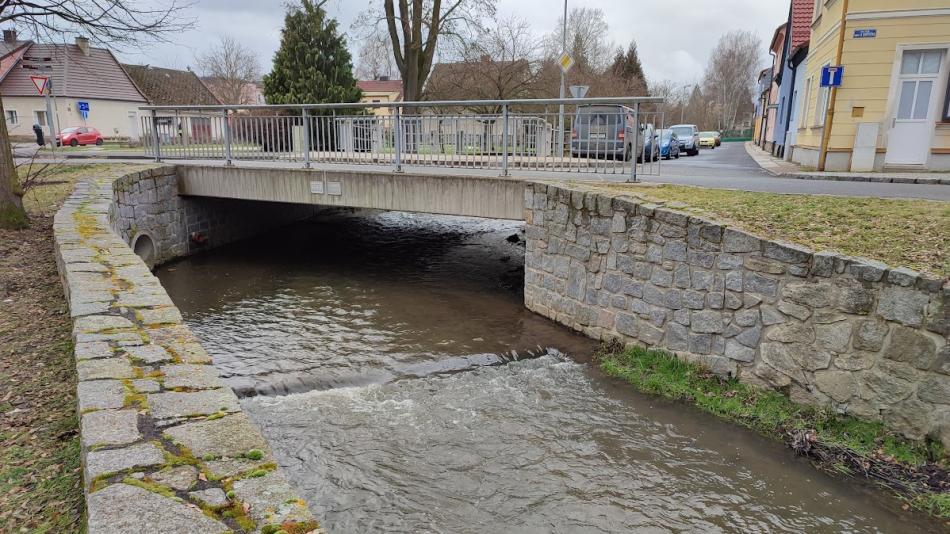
x: 79, y: 135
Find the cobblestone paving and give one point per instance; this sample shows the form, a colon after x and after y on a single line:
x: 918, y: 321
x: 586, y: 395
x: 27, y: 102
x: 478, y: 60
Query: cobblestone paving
x: 166, y: 448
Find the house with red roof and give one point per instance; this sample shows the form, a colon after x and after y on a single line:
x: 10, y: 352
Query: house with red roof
x: 83, y: 78
x: 789, y: 77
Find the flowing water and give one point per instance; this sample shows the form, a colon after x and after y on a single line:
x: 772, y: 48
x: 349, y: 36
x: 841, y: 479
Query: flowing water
x: 389, y: 361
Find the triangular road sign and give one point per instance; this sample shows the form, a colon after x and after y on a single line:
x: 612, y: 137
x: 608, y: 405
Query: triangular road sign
x: 40, y: 83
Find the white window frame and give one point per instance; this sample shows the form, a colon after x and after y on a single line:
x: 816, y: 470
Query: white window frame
x: 15, y: 115
x: 36, y: 117
x: 943, y: 78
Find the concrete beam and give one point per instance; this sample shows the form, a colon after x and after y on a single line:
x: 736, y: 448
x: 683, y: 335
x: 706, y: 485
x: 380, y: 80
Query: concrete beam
x: 472, y: 196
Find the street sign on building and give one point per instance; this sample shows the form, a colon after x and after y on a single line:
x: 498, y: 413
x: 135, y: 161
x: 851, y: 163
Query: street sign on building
x: 566, y: 62
x: 40, y: 83
x: 865, y: 33
x: 831, y: 75
x: 83, y: 108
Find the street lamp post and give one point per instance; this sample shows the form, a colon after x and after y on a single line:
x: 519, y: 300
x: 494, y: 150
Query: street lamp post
x: 685, y: 99
x: 560, y: 116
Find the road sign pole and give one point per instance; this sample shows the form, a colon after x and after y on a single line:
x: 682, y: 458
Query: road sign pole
x: 49, y: 120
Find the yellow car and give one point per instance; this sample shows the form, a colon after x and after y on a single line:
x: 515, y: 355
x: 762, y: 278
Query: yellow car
x: 707, y: 139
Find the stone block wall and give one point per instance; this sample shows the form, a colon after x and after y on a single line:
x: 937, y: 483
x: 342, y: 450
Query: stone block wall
x: 165, y: 446
x: 849, y: 333
x: 148, y: 203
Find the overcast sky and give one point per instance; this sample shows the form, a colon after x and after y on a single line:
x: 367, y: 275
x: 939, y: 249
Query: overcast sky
x: 674, y: 37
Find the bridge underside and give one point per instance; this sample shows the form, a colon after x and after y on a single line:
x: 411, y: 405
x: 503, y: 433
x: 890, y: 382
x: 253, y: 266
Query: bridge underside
x: 472, y: 196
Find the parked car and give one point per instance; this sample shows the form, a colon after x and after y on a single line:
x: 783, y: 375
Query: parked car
x: 79, y: 135
x: 688, y: 134
x: 718, y: 137
x: 606, y: 131
x: 669, y: 145
x: 707, y: 139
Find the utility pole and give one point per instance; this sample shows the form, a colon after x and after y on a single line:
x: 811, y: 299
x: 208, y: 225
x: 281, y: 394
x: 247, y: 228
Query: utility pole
x: 560, y: 116
x: 833, y: 97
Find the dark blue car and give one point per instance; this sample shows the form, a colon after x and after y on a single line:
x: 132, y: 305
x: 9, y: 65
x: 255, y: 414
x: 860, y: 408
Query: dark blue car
x: 669, y: 145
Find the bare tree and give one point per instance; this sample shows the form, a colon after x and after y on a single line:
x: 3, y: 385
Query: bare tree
x: 731, y: 74
x: 375, y: 58
x: 499, y: 63
x: 229, y: 67
x: 587, y: 39
x: 113, y: 23
x: 415, y: 28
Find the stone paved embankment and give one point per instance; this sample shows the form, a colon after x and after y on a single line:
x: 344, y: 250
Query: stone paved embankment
x: 849, y: 333
x: 165, y: 445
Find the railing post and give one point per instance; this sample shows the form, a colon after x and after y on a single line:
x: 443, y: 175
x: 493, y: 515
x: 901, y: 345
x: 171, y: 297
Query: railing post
x: 636, y: 143
x: 398, y: 140
x: 504, y: 140
x: 227, y: 139
x: 306, y: 138
x: 156, y: 142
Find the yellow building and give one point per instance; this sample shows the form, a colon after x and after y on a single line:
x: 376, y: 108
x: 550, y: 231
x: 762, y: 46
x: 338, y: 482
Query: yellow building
x: 892, y: 109
x: 381, y: 90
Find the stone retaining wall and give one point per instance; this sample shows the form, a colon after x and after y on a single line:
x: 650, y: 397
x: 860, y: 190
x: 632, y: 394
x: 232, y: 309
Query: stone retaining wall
x: 165, y: 445
x: 148, y: 204
x: 850, y: 333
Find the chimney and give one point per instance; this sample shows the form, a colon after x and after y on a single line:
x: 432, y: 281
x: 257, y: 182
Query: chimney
x: 383, y: 78
x: 83, y: 44
x: 9, y: 36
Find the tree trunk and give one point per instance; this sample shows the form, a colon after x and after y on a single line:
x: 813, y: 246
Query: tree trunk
x: 12, y: 214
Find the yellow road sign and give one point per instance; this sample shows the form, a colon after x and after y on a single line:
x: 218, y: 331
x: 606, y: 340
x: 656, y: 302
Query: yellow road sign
x: 566, y: 62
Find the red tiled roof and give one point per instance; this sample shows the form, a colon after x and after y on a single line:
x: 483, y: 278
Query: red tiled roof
x: 11, y: 58
x: 380, y: 86
x: 802, y: 11
x: 75, y: 74
x: 778, y: 38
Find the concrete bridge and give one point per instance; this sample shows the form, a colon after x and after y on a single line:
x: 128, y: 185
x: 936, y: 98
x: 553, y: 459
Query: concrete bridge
x: 468, y: 195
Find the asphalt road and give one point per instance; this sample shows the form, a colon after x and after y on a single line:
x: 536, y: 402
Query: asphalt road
x: 731, y: 167
x: 726, y: 167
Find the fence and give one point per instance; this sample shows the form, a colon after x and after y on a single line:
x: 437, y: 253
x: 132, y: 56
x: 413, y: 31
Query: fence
x: 594, y: 135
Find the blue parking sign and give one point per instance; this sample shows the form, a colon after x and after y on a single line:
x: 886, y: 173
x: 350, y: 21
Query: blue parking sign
x: 83, y: 108
x: 831, y: 75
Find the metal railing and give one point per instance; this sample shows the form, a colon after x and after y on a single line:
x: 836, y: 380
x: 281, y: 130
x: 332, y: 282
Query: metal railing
x: 618, y: 136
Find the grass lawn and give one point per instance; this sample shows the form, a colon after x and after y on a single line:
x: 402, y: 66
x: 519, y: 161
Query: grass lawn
x: 901, y: 233
x: 40, y: 478
x: 839, y: 443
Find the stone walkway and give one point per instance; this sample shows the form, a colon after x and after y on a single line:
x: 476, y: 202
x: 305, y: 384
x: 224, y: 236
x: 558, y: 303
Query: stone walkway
x: 166, y: 448
x: 779, y: 167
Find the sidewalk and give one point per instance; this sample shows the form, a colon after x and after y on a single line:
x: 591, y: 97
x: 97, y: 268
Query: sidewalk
x: 779, y: 167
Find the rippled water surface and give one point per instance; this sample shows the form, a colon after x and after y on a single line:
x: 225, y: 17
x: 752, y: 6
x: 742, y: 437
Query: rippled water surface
x: 389, y: 360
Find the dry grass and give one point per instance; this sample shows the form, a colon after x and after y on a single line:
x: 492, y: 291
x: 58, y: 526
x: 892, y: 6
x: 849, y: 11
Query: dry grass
x: 901, y: 233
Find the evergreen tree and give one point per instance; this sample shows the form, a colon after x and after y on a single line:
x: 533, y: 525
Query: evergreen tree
x: 627, y: 65
x: 312, y: 64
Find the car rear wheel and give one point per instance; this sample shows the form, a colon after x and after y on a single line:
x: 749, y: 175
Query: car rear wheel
x: 99, y: 142
x: 73, y: 142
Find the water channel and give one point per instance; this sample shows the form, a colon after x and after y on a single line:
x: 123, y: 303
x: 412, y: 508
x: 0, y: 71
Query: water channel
x: 389, y: 360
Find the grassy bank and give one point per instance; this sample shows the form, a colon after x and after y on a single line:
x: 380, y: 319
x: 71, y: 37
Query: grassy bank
x: 901, y: 233
x: 917, y: 472
x: 40, y: 478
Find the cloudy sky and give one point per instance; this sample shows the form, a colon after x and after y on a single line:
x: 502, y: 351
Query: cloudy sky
x: 674, y: 37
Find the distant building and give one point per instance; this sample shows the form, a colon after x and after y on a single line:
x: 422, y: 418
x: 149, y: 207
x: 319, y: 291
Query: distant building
x: 791, y: 77
x: 381, y: 90
x: 170, y: 87
x: 775, y: 105
x: 82, y: 76
x: 762, y: 88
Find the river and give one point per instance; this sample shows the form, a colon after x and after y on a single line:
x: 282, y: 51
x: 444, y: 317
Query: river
x: 389, y: 361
